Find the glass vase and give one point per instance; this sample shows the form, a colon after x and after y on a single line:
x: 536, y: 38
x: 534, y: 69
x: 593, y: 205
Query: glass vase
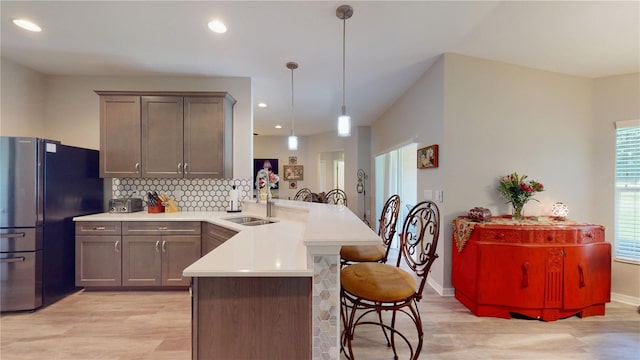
x: 518, y: 212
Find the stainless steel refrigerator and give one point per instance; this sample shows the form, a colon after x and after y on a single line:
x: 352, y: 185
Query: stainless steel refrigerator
x: 43, y: 185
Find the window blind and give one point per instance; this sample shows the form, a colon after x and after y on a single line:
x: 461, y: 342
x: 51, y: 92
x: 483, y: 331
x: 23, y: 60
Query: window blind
x: 627, y: 216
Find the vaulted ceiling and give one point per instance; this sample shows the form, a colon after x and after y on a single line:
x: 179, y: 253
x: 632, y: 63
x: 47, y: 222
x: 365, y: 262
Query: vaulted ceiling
x: 389, y: 44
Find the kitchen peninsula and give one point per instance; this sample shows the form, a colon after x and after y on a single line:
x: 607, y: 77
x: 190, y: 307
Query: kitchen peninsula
x: 270, y: 289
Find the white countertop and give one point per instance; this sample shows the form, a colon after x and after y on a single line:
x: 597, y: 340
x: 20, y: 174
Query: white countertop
x: 284, y: 248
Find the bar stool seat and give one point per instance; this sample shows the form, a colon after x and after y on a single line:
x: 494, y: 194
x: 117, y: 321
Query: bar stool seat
x: 378, y: 282
x: 387, y: 229
x: 363, y: 253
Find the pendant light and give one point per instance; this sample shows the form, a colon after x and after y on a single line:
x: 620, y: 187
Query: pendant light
x: 344, y: 12
x: 293, y: 139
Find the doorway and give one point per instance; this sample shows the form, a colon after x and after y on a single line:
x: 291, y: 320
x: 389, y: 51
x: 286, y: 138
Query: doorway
x: 396, y: 173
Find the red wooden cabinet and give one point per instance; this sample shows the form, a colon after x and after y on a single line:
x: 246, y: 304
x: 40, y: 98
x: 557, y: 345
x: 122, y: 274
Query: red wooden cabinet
x: 547, y: 270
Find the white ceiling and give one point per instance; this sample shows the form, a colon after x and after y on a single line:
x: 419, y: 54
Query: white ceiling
x: 389, y: 45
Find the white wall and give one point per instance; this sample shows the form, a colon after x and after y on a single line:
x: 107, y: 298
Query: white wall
x: 71, y: 111
x: 22, y: 101
x: 417, y: 116
x: 614, y: 98
x: 490, y: 119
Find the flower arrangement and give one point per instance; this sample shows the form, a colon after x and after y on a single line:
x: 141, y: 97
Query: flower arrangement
x: 518, y: 191
x: 273, y: 180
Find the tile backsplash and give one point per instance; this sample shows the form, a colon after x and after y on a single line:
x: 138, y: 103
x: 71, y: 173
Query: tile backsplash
x: 189, y: 194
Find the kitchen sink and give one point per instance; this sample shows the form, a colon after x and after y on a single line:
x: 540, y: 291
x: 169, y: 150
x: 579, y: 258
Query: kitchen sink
x: 249, y: 220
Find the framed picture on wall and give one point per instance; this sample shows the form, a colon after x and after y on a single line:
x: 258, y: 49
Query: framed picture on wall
x: 293, y: 172
x: 428, y: 157
x: 271, y: 164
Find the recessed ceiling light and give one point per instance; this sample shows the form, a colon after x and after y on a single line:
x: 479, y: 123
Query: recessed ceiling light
x: 278, y: 126
x: 27, y: 25
x: 262, y: 105
x: 217, y: 26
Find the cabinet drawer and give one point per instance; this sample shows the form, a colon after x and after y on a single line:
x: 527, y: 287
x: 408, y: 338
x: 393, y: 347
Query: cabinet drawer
x: 98, y: 228
x: 590, y: 235
x: 550, y: 236
x: 500, y: 235
x: 161, y: 228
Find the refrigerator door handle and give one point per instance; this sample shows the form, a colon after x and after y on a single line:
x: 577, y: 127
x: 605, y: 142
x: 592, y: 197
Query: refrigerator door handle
x: 13, y: 235
x: 13, y: 259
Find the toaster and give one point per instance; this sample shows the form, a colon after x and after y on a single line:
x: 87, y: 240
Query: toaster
x: 126, y: 205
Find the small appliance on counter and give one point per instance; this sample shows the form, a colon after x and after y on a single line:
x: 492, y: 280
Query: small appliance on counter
x: 126, y: 205
x: 233, y: 200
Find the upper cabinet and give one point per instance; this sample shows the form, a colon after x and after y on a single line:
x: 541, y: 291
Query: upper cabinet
x: 166, y: 135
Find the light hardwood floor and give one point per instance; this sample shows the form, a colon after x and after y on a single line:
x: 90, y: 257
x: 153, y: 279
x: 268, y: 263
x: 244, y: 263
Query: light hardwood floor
x: 156, y: 326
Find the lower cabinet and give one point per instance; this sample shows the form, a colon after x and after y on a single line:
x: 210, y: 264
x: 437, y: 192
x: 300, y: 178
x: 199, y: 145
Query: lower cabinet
x: 155, y: 252
x: 214, y: 236
x: 158, y: 260
x: 135, y: 254
x: 98, y: 254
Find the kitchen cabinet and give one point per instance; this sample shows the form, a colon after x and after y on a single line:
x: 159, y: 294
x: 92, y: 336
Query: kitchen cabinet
x: 214, y: 236
x: 120, y: 136
x: 155, y: 253
x: 178, y: 134
x: 98, y: 254
x: 546, y: 270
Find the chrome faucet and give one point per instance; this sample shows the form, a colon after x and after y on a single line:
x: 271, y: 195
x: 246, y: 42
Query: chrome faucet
x: 264, y: 174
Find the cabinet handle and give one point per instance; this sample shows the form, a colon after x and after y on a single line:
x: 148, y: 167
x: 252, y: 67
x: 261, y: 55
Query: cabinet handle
x: 162, y: 228
x: 186, y: 168
x: 158, y: 246
x: 99, y: 228
x: 581, y: 282
x: 179, y: 168
x: 117, y: 246
x: 549, y: 238
x: 14, y: 235
x: 13, y: 259
x: 137, y: 168
x: 525, y: 275
x: 164, y: 246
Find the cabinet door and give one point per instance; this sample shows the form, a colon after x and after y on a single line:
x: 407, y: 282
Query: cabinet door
x: 511, y: 275
x: 98, y: 261
x: 587, y: 275
x: 120, y: 136
x: 141, y: 261
x: 162, y: 137
x: 214, y: 236
x: 204, y: 137
x: 178, y: 252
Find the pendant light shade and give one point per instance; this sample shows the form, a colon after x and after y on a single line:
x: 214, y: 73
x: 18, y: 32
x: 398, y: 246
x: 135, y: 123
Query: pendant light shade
x: 292, y: 141
x: 343, y: 13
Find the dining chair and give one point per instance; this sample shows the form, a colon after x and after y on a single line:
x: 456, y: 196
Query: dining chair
x: 386, y: 230
x: 336, y: 196
x: 303, y: 195
x: 368, y: 288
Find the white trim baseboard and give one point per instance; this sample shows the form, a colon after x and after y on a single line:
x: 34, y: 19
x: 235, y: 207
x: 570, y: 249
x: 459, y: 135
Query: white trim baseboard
x: 625, y: 299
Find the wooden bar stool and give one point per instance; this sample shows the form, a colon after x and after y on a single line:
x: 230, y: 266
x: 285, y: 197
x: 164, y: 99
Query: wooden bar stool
x: 386, y: 231
x: 368, y: 288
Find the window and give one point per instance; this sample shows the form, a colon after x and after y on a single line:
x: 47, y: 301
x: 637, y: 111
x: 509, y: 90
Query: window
x: 627, y: 216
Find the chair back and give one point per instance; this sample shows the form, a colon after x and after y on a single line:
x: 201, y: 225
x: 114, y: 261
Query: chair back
x: 419, y: 240
x: 336, y: 196
x: 388, y: 221
x: 303, y: 195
